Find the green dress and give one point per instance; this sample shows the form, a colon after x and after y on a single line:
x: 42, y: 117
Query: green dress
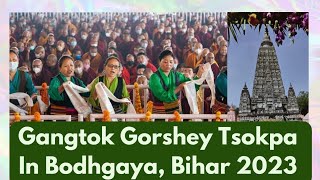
x: 25, y: 85
x: 165, y: 101
x: 62, y: 97
x: 16, y: 81
x: 158, y: 90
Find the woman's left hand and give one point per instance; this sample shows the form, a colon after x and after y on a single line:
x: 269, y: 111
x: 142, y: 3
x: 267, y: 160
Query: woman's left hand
x: 179, y: 88
x: 200, y: 71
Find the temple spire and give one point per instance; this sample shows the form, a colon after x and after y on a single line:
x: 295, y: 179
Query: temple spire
x: 266, y: 35
x: 245, y: 86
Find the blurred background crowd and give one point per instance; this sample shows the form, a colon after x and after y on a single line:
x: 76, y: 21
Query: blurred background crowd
x: 135, y: 38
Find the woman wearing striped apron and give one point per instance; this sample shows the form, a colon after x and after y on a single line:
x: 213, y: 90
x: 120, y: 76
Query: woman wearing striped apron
x: 59, y: 99
x: 166, y: 84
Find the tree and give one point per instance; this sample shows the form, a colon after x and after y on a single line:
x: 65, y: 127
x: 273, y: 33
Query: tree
x: 303, y: 102
x: 282, y: 23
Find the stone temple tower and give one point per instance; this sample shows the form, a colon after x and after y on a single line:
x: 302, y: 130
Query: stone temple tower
x: 268, y: 100
x: 292, y: 101
x: 245, y: 101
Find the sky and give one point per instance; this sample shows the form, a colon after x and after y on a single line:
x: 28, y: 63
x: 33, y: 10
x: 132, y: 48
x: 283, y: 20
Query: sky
x: 242, y: 58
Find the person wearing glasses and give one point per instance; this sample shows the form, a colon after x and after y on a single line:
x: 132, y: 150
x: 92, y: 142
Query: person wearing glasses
x: 113, y: 82
x: 60, y: 101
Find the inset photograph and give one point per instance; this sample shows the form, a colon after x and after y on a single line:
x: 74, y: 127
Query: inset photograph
x: 268, y: 65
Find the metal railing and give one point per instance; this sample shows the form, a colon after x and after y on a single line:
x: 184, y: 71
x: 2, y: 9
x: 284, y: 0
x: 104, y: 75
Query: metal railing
x: 124, y: 117
x: 53, y: 118
x: 166, y: 117
x: 145, y: 100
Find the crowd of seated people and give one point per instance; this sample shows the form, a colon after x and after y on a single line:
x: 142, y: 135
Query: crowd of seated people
x: 40, y: 40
